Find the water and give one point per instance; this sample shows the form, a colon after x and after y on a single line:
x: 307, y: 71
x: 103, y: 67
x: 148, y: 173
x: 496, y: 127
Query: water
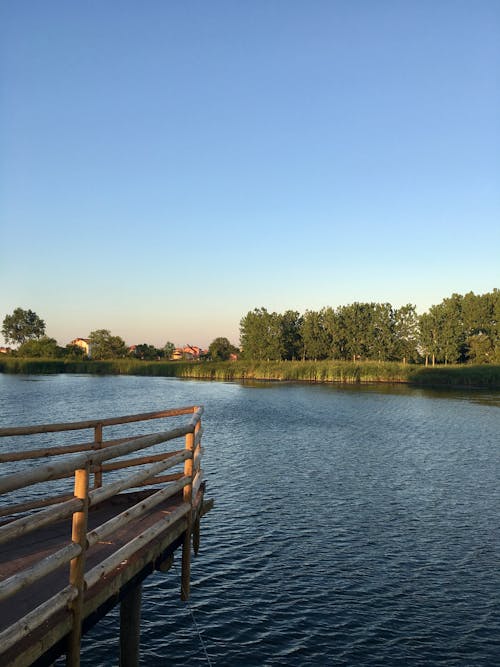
x: 352, y: 525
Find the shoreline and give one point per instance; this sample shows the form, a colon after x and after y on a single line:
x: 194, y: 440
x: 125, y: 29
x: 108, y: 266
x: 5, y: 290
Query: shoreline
x: 485, y: 376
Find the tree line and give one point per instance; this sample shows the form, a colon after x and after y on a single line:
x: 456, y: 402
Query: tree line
x: 26, y: 329
x: 460, y: 329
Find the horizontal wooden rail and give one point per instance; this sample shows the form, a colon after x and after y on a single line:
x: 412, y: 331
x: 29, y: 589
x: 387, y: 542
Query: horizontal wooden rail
x: 37, y: 617
x: 92, y: 423
x: 8, y: 510
x: 181, y: 490
x: 113, y: 561
x: 96, y: 496
x: 26, y: 524
x: 130, y: 463
x: 45, y: 452
x: 106, y: 529
x: 61, y: 468
x: 45, y: 566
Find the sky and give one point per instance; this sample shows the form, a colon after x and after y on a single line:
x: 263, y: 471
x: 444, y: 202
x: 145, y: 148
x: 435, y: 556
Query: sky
x: 165, y: 167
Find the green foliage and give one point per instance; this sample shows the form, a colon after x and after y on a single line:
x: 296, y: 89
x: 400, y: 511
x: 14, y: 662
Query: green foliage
x: 145, y: 351
x: 21, y: 326
x: 316, y: 341
x: 261, y: 335
x: 220, y: 349
x: 43, y: 347
x: 168, y: 350
x: 75, y: 352
x: 460, y: 329
x: 105, y: 346
x: 406, y: 333
x: 291, y: 325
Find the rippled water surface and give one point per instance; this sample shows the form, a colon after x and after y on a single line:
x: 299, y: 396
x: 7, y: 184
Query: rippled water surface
x: 352, y: 525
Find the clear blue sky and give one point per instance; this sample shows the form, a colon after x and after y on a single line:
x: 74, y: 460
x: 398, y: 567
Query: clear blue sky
x: 168, y: 166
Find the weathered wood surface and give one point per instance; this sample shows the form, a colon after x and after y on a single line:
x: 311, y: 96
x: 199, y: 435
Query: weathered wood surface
x: 28, y: 550
x: 92, y: 423
x: 118, y: 535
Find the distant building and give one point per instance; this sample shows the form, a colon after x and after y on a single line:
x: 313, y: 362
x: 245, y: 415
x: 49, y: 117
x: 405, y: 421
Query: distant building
x: 84, y: 343
x: 5, y: 350
x: 191, y: 352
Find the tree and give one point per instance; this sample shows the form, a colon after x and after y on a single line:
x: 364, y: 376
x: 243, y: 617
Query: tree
x: 146, y: 351
x: 291, y: 323
x: 315, y: 340
x: 380, y: 342
x: 168, y: 350
x: 220, y: 349
x: 406, y: 333
x: 75, y: 352
x: 452, y: 334
x: 260, y: 335
x: 357, y: 322
x: 428, y: 324
x: 44, y: 347
x: 21, y: 326
x: 105, y: 346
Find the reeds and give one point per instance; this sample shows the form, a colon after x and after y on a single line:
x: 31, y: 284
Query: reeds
x: 486, y: 375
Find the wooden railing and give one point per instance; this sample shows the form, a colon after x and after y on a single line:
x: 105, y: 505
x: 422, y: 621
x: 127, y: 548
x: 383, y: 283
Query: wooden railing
x: 95, y: 467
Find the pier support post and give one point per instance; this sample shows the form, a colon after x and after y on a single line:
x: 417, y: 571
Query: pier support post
x: 77, y: 566
x: 186, y: 545
x: 130, y: 627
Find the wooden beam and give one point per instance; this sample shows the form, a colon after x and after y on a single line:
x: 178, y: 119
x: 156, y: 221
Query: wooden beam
x: 130, y: 627
x: 91, y: 423
x: 77, y: 567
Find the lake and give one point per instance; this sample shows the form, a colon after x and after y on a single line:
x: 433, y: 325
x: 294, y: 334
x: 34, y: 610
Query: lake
x: 353, y: 525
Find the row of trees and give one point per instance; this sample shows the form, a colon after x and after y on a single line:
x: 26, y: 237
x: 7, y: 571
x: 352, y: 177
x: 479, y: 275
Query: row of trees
x: 26, y: 329
x: 103, y: 345
x: 459, y: 329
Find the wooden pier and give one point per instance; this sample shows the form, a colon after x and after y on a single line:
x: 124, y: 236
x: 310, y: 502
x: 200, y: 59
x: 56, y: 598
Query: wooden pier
x: 83, y: 524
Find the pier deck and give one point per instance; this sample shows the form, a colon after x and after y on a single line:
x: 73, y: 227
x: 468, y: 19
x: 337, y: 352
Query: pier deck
x: 63, y: 566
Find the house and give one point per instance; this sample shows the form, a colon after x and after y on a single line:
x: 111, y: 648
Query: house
x: 84, y: 343
x: 191, y: 352
x: 5, y: 350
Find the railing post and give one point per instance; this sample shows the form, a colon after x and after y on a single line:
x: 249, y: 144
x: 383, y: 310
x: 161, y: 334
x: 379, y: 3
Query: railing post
x: 98, y: 445
x: 196, y: 526
x: 77, y: 566
x: 188, y: 498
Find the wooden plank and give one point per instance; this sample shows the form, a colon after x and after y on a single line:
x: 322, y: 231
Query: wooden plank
x: 10, y: 510
x: 43, y: 567
x: 35, y: 521
x: 91, y: 423
x: 48, y: 472
x: 137, y: 510
x: 46, y: 452
x: 129, y: 463
x: 198, y: 453
x: 98, y: 495
x: 197, y: 482
x: 14, y: 633
x: 125, y: 552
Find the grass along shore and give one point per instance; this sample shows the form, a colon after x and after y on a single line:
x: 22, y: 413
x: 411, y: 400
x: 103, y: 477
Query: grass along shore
x: 293, y: 371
